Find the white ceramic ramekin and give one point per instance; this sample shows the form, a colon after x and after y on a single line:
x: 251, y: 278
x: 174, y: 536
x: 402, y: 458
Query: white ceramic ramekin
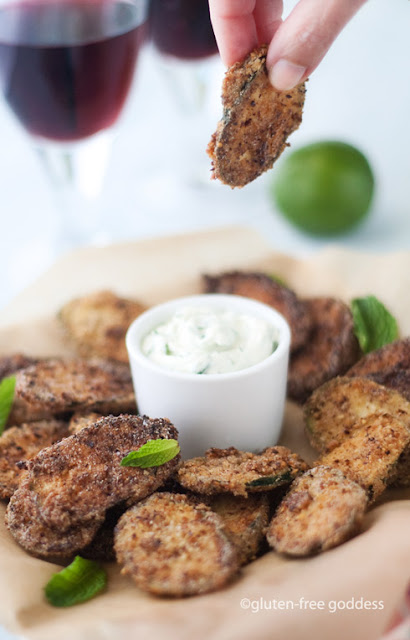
x: 242, y: 409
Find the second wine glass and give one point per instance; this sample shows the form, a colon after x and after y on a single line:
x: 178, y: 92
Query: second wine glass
x: 186, y: 53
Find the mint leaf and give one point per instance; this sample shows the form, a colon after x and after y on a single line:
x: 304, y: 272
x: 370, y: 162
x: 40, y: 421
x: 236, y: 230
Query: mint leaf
x: 7, y: 387
x: 78, y: 582
x: 272, y: 481
x: 153, y: 453
x: 278, y: 279
x: 374, y: 325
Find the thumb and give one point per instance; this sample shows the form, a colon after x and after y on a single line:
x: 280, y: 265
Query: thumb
x: 304, y: 37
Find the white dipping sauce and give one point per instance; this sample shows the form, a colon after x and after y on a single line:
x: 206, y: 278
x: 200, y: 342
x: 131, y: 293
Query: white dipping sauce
x: 208, y: 340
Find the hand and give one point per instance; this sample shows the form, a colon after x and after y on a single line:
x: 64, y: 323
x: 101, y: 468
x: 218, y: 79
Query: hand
x: 296, y: 45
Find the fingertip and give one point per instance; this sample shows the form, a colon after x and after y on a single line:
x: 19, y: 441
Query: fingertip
x: 284, y: 75
x: 303, y: 39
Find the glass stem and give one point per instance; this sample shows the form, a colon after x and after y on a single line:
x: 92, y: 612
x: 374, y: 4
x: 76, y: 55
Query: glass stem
x: 76, y: 174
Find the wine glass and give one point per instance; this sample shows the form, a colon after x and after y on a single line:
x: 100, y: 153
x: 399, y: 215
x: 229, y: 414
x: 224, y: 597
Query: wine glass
x: 66, y: 68
x: 186, y: 52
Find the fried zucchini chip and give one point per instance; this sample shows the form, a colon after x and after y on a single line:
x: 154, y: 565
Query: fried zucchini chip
x: 80, y: 420
x: 334, y: 410
x: 13, y: 363
x: 54, y: 387
x: 73, y: 483
x: 322, y: 510
x: 389, y: 365
x: 240, y: 472
x: 18, y: 444
x: 262, y: 287
x: 257, y: 121
x: 25, y: 524
x: 370, y: 455
x: 97, y: 324
x: 245, y: 522
x: 172, y: 546
x: 331, y: 349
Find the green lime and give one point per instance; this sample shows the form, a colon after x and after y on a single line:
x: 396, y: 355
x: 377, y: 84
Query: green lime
x: 324, y: 188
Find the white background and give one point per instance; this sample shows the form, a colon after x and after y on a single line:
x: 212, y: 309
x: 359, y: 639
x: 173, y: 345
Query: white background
x: 360, y: 94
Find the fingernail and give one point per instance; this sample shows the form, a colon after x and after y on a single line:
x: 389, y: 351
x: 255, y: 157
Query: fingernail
x: 285, y: 75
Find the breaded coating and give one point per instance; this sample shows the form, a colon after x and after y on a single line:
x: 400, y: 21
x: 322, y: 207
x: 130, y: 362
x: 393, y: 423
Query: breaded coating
x: 97, y: 324
x: 370, y: 455
x: 13, y: 363
x: 331, y: 349
x: 172, y: 546
x: 389, y: 365
x: 257, y: 121
x: 240, y: 472
x: 322, y: 510
x: 80, y: 477
x: 245, y: 522
x: 80, y: 420
x: 25, y: 524
x: 22, y: 443
x: 333, y: 411
x: 54, y: 387
x: 262, y: 287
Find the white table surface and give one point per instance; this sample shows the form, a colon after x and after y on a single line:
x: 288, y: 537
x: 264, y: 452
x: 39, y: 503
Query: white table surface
x: 360, y: 94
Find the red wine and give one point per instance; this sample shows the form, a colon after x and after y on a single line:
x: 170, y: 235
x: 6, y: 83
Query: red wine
x: 66, y: 66
x: 182, y: 28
